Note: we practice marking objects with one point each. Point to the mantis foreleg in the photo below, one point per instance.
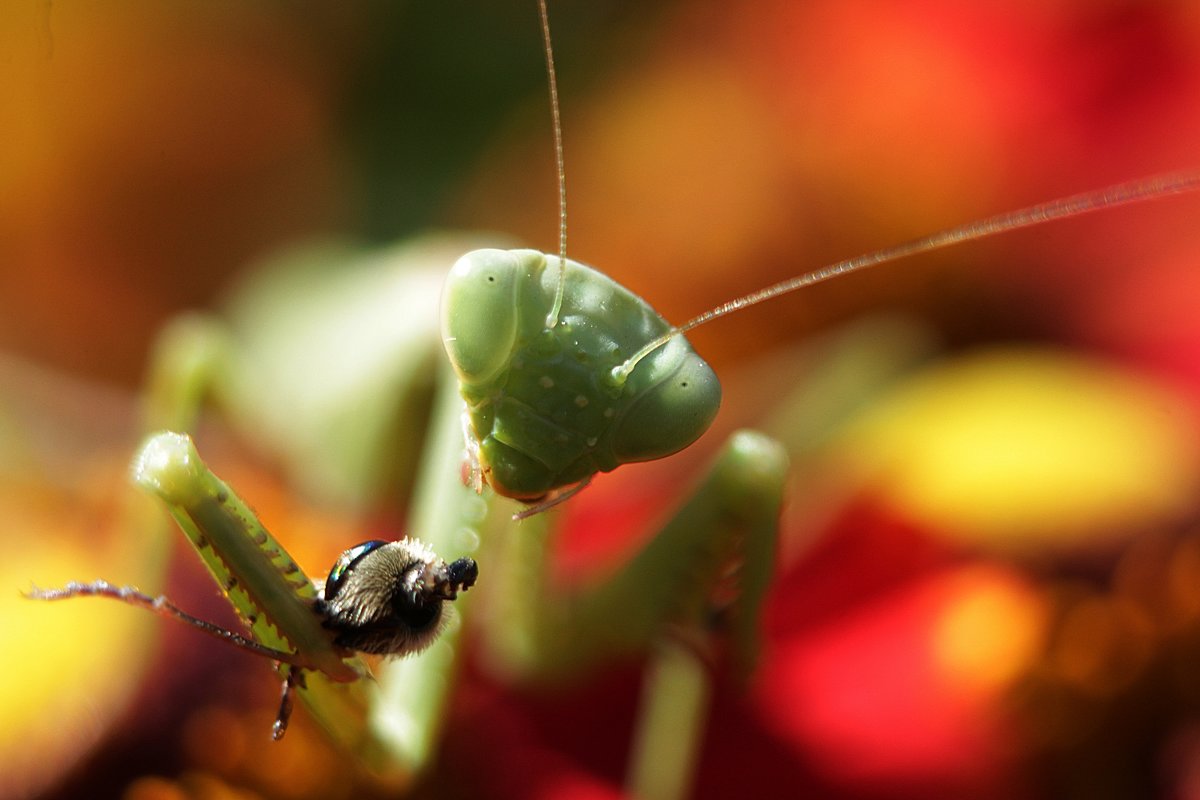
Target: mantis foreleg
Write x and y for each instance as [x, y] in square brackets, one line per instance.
[672, 599]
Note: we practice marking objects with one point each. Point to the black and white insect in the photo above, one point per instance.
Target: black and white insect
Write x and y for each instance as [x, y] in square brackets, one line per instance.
[387, 598]
[383, 598]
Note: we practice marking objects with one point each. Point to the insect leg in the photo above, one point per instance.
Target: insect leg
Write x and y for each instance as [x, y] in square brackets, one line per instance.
[680, 575]
[293, 680]
[717, 596]
[695, 586]
[676, 691]
[163, 607]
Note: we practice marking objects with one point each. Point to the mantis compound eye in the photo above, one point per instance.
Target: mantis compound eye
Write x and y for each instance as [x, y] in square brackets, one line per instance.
[386, 598]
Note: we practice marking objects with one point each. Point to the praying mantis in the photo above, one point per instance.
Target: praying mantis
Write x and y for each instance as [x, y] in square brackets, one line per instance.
[754, 466]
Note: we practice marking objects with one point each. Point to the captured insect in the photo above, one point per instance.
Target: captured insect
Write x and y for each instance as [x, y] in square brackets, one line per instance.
[382, 598]
[566, 373]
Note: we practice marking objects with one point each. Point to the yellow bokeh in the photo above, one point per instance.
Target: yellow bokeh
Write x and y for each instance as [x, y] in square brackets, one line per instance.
[71, 667]
[992, 628]
[1023, 448]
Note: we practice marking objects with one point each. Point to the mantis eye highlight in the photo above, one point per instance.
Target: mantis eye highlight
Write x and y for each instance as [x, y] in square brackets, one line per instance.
[386, 598]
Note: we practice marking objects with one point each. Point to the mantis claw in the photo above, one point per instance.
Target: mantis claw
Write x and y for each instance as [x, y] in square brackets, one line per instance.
[551, 500]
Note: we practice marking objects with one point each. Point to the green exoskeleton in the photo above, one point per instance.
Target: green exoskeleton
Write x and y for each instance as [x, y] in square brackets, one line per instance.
[549, 404]
[566, 373]
[382, 598]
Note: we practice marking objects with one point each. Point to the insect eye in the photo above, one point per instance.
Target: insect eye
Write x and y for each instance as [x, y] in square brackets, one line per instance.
[676, 405]
[346, 562]
[482, 307]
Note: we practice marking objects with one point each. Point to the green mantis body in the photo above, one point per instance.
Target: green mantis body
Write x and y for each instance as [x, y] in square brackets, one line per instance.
[540, 634]
[566, 373]
[244, 559]
[541, 353]
[306, 629]
[568, 411]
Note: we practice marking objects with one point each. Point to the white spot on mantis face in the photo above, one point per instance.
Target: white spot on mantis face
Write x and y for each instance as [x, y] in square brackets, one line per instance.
[581, 401]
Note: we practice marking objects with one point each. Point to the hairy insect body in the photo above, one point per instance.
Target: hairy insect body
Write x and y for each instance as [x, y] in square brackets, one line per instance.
[388, 598]
[265, 586]
[545, 407]
[384, 598]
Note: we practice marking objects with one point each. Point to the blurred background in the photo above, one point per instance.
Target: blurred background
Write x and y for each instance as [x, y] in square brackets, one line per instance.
[989, 578]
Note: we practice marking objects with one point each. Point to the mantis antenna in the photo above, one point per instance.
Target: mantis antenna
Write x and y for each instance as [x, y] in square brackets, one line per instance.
[552, 317]
[1114, 196]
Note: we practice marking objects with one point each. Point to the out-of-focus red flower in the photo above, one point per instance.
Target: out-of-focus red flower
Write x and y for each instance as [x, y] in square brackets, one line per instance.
[731, 148]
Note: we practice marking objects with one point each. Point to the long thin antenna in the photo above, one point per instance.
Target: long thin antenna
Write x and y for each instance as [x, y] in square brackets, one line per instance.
[1114, 196]
[559, 161]
[163, 607]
